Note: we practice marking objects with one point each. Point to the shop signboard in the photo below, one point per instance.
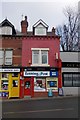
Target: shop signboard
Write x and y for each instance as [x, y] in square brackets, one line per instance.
[54, 73]
[9, 70]
[36, 73]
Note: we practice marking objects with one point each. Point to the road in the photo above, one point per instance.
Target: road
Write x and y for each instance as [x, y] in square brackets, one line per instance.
[41, 108]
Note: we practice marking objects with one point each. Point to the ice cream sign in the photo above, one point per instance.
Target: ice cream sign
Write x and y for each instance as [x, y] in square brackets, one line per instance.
[36, 73]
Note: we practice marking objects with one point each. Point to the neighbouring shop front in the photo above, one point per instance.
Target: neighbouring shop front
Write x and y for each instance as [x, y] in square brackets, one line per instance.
[38, 80]
[9, 82]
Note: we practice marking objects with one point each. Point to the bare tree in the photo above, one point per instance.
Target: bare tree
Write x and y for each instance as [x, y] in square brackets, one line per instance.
[70, 30]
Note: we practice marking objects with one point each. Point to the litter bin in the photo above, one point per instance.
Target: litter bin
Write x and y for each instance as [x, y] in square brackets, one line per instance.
[50, 93]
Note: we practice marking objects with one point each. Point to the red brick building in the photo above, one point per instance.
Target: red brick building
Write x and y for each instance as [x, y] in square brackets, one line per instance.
[30, 59]
[40, 60]
[10, 60]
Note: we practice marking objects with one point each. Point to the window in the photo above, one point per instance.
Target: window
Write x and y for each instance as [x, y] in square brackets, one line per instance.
[67, 79]
[27, 84]
[40, 30]
[40, 57]
[1, 57]
[39, 84]
[76, 80]
[4, 81]
[44, 57]
[5, 30]
[71, 79]
[8, 57]
[15, 83]
[35, 57]
[52, 83]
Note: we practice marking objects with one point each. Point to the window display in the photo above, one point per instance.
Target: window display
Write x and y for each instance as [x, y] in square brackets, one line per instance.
[39, 84]
[4, 81]
[52, 83]
[4, 84]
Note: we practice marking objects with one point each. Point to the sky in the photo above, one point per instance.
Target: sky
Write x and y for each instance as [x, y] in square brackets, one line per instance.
[50, 11]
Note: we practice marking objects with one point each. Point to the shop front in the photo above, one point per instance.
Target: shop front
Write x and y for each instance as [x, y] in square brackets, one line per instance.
[9, 82]
[38, 81]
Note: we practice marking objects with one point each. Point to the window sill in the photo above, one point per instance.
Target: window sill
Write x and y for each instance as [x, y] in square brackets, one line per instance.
[40, 65]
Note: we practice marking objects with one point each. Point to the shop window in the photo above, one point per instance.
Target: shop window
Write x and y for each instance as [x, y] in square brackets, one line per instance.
[39, 84]
[15, 83]
[67, 80]
[4, 81]
[51, 83]
[71, 80]
[76, 80]
[27, 84]
[14, 74]
[4, 85]
[5, 75]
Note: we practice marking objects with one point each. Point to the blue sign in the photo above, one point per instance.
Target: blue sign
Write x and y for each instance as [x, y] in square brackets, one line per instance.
[50, 93]
[54, 73]
[60, 91]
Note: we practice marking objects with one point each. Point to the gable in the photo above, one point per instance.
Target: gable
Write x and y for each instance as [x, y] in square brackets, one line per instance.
[40, 22]
[40, 28]
[6, 28]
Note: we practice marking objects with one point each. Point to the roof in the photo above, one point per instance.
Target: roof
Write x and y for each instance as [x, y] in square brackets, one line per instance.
[6, 22]
[40, 22]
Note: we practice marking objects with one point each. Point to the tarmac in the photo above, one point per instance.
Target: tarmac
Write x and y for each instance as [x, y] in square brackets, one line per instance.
[37, 98]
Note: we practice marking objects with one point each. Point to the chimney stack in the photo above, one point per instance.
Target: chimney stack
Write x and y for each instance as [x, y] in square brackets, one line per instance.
[24, 25]
[53, 31]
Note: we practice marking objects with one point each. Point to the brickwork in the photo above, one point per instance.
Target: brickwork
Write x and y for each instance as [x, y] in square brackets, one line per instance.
[14, 43]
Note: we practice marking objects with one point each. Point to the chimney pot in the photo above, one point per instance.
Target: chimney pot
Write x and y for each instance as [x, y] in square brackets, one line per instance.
[24, 25]
[53, 31]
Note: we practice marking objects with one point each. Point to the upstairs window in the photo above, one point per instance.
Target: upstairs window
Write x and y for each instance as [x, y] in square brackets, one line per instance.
[40, 30]
[1, 57]
[40, 56]
[8, 57]
[5, 30]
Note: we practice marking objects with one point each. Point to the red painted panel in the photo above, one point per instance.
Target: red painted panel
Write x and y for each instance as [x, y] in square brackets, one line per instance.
[40, 42]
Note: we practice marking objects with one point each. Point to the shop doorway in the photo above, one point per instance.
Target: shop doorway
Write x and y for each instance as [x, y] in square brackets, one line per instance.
[27, 87]
[14, 86]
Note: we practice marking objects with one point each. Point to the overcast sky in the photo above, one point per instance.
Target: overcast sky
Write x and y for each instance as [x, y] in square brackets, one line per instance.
[50, 11]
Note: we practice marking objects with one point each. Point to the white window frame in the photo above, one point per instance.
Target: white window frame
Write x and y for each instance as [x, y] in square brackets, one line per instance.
[6, 30]
[10, 58]
[2, 57]
[40, 30]
[40, 56]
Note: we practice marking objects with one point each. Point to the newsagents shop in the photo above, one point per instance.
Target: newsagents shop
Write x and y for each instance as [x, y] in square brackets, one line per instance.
[38, 80]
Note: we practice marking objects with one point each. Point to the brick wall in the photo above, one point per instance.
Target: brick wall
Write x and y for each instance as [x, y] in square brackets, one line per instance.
[14, 43]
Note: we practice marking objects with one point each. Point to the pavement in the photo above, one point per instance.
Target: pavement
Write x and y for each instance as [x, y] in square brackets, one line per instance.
[37, 98]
